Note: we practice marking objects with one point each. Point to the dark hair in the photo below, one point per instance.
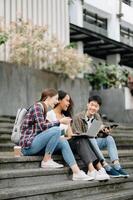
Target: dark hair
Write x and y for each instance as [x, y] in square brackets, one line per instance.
[69, 111]
[95, 98]
[49, 92]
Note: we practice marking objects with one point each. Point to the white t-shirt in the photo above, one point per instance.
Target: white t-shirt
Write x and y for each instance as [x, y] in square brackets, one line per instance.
[51, 116]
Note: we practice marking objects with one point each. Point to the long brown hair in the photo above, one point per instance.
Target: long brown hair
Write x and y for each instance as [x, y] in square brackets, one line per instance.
[49, 92]
[69, 111]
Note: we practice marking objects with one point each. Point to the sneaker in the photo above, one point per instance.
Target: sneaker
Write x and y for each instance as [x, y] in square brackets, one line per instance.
[113, 173]
[50, 164]
[81, 176]
[99, 175]
[102, 175]
[92, 174]
[122, 173]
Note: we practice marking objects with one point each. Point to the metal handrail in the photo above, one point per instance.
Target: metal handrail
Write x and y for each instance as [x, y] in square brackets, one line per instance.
[94, 18]
[128, 2]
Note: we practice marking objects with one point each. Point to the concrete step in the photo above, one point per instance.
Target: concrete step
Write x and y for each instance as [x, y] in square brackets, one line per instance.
[124, 136]
[8, 162]
[9, 119]
[5, 138]
[123, 132]
[125, 195]
[68, 190]
[124, 155]
[124, 146]
[126, 141]
[7, 153]
[5, 131]
[123, 125]
[6, 125]
[23, 177]
[6, 146]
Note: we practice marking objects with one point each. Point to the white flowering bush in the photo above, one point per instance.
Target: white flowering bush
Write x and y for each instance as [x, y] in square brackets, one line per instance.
[31, 45]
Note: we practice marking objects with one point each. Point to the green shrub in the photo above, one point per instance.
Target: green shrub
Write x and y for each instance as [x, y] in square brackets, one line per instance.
[107, 76]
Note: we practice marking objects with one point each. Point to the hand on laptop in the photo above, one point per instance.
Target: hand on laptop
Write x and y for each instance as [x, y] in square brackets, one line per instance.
[106, 129]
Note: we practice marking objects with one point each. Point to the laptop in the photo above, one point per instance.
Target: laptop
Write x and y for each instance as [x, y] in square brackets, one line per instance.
[93, 130]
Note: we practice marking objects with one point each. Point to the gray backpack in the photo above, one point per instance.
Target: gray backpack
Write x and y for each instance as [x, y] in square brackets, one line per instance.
[16, 134]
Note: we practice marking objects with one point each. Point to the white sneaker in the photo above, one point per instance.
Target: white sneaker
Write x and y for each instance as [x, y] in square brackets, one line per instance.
[92, 174]
[99, 175]
[103, 170]
[102, 175]
[81, 176]
[50, 164]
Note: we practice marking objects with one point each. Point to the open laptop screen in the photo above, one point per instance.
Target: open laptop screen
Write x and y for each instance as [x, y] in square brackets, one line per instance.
[94, 128]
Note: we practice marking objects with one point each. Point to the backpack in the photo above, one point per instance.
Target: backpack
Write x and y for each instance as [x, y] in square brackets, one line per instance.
[16, 134]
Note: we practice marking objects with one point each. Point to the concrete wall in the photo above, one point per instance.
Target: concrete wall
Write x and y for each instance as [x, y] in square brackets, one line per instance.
[21, 86]
[114, 104]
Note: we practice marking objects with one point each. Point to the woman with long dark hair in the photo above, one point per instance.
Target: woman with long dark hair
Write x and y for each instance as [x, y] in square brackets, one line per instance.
[79, 145]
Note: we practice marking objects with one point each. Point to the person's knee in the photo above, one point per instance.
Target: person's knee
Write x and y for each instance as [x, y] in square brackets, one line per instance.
[64, 143]
[110, 139]
[56, 130]
[93, 141]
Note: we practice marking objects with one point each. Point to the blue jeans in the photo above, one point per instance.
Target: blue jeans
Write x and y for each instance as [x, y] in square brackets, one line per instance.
[47, 139]
[103, 143]
[66, 151]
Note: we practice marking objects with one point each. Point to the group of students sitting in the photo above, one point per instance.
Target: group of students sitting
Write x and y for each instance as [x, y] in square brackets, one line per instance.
[48, 127]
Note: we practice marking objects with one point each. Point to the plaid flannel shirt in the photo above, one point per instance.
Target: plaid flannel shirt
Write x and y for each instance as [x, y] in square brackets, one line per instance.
[34, 123]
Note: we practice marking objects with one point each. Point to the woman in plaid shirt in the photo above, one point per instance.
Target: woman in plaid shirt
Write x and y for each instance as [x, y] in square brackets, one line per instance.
[37, 133]
[40, 135]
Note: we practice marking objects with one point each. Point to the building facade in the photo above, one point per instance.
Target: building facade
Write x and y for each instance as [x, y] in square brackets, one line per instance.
[50, 13]
[104, 29]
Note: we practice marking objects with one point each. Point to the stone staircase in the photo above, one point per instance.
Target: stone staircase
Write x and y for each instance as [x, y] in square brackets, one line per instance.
[23, 179]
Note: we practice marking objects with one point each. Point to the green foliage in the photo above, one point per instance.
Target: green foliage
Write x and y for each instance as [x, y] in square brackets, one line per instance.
[3, 38]
[72, 45]
[107, 76]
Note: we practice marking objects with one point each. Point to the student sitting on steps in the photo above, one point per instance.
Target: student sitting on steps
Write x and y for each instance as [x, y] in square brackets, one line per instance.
[78, 145]
[82, 122]
[40, 135]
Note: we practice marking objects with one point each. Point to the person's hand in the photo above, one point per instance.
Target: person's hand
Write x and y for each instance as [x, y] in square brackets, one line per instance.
[106, 129]
[65, 120]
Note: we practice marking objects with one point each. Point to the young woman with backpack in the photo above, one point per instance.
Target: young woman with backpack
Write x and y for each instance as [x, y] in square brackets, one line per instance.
[40, 135]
